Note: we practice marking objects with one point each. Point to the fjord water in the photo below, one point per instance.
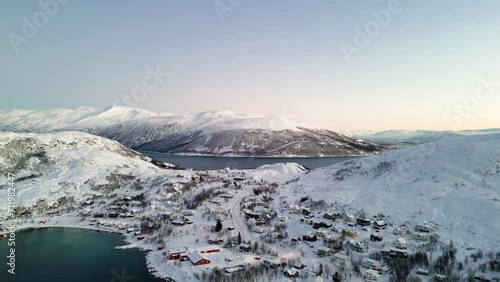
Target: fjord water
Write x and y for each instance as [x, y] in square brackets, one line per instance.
[209, 162]
[76, 255]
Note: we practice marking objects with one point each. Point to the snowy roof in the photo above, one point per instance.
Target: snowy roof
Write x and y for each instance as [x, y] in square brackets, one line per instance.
[370, 260]
[341, 256]
[292, 271]
[177, 250]
[195, 257]
[401, 240]
[207, 248]
[373, 272]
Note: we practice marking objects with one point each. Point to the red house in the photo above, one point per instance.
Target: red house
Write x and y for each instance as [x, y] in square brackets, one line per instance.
[197, 259]
[208, 249]
[177, 253]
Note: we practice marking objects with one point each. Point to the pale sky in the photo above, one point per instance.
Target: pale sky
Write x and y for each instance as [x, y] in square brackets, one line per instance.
[425, 67]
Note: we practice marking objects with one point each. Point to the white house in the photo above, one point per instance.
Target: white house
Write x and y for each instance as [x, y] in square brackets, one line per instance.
[379, 225]
[371, 264]
[321, 233]
[372, 275]
[400, 243]
[341, 258]
[324, 251]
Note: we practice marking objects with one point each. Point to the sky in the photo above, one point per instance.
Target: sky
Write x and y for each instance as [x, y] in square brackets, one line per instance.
[343, 65]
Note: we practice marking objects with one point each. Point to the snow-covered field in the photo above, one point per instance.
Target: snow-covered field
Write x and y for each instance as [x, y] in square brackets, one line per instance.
[450, 186]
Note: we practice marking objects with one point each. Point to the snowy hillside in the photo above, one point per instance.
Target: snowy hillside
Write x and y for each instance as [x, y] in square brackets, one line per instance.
[70, 165]
[449, 184]
[206, 133]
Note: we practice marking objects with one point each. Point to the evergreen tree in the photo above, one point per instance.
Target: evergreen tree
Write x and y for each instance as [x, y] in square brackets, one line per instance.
[218, 226]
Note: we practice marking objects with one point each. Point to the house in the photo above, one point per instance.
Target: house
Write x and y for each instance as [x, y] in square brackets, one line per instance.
[291, 273]
[188, 212]
[421, 271]
[397, 253]
[358, 246]
[363, 221]
[341, 258]
[317, 225]
[440, 277]
[332, 238]
[197, 259]
[306, 211]
[400, 231]
[371, 264]
[283, 218]
[324, 251]
[349, 218]
[178, 222]
[421, 236]
[254, 215]
[208, 249]
[379, 225]
[135, 203]
[245, 248]
[376, 237]
[310, 238]
[177, 253]
[350, 233]
[299, 265]
[259, 229]
[88, 202]
[372, 275]
[307, 221]
[400, 243]
[321, 233]
[423, 228]
[331, 216]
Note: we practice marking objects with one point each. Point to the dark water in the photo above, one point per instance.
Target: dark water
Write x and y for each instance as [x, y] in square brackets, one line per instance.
[73, 255]
[204, 162]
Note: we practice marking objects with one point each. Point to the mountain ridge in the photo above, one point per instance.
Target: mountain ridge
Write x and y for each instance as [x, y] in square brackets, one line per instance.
[221, 133]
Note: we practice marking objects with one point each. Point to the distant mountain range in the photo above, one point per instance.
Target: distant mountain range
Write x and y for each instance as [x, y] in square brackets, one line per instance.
[219, 133]
[402, 137]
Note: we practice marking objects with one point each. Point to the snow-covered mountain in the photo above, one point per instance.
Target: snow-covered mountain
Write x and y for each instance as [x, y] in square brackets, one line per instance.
[210, 133]
[418, 136]
[71, 165]
[447, 184]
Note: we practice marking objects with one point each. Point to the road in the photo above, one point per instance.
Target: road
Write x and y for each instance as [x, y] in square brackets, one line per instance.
[246, 235]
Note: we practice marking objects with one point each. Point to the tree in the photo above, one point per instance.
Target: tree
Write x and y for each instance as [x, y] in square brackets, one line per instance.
[218, 226]
[239, 238]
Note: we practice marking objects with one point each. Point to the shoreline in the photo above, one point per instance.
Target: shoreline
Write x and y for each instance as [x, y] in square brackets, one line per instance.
[23, 228]
[252, 156]
[128, 244]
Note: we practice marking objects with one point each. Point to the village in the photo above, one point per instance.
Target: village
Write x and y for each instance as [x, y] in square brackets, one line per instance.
[252, 225]
[226, 226]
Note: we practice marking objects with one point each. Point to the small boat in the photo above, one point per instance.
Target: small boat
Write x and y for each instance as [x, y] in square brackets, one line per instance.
[141, 237]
